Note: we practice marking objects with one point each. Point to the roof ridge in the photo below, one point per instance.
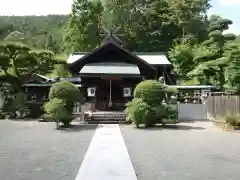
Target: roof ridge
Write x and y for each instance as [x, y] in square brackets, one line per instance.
[149, 53]
[139, 53]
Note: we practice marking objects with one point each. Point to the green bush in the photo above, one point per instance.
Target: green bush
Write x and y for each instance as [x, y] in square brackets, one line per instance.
[63, 115]
[148, 107]
[161, 112]
[151, 91]
[65, 90]
[233, 120]
[62, 97]
[141, 113]
[130, 107]
[172, 112]
[53, 105]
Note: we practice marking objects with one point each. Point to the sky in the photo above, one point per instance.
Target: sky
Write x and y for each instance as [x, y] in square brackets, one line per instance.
[225, 8]
[228, 9]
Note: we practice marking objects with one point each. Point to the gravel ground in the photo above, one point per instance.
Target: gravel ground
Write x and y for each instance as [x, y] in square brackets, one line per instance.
[36, 151]
[190, 151]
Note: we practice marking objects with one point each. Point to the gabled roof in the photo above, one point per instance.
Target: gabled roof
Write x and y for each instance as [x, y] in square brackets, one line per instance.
[110, 68]
[119, 52]
[155, 58]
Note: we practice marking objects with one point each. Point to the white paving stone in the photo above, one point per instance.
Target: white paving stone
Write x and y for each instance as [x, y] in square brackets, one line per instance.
[107, 157]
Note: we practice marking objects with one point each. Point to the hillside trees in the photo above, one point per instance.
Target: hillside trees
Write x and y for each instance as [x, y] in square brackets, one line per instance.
[214, 61]
[154, 25]
[18, 63]
[82, 33]
[34, 30]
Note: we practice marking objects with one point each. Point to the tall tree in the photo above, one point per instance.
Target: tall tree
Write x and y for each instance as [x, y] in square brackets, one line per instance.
[82, 33]
[213, 64]
[18, 63]
[154, 25]
[182, 58]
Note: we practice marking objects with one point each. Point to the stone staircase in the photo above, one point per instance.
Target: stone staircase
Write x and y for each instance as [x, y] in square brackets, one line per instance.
[105, 117]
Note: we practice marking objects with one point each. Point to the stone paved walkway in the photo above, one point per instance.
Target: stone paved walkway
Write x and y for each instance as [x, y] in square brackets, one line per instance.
[107, 157]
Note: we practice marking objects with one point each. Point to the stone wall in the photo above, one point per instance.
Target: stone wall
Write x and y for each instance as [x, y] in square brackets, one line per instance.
[192, 112]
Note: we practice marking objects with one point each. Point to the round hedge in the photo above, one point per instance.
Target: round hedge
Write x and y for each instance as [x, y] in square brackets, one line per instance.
[65, 90]
[143, 113]
[62, 97]
[151, 91]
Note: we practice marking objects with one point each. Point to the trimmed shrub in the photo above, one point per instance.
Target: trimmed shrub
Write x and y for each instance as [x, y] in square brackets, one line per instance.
[172, 112]
[52, 106]
[57, 107]
[152, 104]
[130, 108]
[65, 90]
[161, 112]
[233, 120]
[151, 91]
[141, 113]
[62, 97]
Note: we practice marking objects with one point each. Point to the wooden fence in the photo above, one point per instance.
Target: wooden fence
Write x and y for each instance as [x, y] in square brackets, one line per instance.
[222, 106]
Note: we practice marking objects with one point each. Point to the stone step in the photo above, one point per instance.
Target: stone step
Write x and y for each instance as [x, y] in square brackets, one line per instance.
[105, 122]
[106, 117]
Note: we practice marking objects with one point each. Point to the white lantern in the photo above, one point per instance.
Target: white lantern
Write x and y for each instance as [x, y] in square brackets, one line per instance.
[127, 92]
[91, 91]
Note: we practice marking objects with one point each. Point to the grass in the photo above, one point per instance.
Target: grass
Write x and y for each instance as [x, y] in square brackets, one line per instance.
[229, 123]
[224, 126]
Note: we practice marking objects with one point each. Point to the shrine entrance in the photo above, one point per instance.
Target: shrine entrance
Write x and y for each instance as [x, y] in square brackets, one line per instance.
[109, 94]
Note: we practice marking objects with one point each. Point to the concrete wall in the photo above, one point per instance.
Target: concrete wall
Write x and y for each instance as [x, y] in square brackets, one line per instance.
[191, 112]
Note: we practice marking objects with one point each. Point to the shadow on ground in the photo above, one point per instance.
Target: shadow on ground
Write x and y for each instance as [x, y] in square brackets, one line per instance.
[183, 127]
[172, 127]
[76, 128]
[24, 120]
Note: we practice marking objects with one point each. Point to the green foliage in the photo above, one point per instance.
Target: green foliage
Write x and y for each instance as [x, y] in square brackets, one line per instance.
[172, 111]
[209, 62]
[19, 59]
[170, 90]
[160, 112]
[182, 58]
[150, 91]
[53, 105]
[237, 39]
[232, 71]
[130, 108]
[62, 97]
[15, 36]
[60, 70]
[233, 120]
[146, 25]
[143, 113]
[65, 90]
[57, 107]
[147, 107]
[40, 32]
[82, 32]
